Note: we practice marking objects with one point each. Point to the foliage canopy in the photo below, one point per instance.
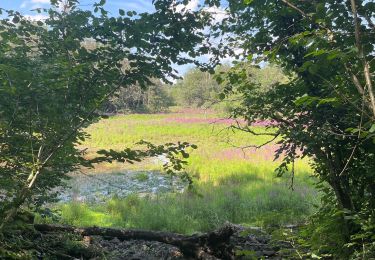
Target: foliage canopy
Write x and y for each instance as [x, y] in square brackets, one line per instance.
[326, 111]
[52, 84]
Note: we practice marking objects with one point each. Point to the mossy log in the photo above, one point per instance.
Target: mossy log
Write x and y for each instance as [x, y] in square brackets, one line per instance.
[211, 245]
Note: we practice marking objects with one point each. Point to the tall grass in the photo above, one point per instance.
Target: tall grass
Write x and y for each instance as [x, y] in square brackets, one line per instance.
[229, 185]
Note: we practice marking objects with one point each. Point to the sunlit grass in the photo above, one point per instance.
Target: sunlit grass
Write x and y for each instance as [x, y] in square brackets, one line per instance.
[124, 131]
[230, 184]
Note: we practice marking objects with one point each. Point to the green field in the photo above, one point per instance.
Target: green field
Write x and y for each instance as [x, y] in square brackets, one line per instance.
[230, 184]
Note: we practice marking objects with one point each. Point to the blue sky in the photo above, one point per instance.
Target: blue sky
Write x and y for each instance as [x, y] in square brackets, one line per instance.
[24, 6]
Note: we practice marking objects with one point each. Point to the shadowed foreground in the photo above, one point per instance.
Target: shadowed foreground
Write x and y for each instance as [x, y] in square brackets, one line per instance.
[229, 242]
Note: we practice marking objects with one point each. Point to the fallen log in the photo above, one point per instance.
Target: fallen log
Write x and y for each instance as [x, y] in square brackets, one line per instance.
[215, 244]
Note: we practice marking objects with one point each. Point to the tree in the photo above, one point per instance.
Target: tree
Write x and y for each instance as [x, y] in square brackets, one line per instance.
[152, 99]
[52, 84]
[198, 88]
[157, 97]
[326, 110]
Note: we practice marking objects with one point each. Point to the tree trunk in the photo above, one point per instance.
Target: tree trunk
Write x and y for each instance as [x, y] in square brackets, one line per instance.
[342, 195]
[210, 245]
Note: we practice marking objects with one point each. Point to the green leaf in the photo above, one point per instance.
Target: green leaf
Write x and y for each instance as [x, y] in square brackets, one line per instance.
[306, 65]
[248, 2]
[313, 69]
[372, 128]
[334, 54]
[184, 154]
[332, 101]
[305, 100]
[16, 19]
[121, 12]
[316, 53]
[103, 12]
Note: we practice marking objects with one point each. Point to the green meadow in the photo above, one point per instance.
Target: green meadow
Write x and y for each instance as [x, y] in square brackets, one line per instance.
[230, 183]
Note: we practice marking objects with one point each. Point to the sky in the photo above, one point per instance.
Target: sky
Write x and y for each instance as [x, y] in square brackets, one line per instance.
[25, 7]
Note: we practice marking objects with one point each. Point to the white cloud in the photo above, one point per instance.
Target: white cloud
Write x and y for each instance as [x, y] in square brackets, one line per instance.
[34, 3]
[23, 5]
[139, 6]
[40, 1]
[36, 17]
[191, 6]
[217, 13]
[230, 59]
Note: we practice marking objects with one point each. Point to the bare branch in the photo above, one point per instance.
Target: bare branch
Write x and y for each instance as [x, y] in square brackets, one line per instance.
[248, 130]
[369, 85]
[259, 146]
[366, 66]
[360, 110]
[356, 145]
[359, 46]
[355, 80]
[296, 8]
[329, 31]
[356, 27]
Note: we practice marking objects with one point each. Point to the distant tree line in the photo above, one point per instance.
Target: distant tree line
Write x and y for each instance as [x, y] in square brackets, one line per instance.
[135, 99]
[201, 89]
[196, 89]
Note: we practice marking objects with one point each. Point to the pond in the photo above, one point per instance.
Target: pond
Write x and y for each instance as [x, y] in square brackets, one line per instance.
[97, 188]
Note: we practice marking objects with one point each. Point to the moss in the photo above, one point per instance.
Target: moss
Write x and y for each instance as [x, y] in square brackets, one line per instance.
[141, 177]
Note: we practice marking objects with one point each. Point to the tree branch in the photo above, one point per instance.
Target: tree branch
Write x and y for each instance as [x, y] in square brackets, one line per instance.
[261, 145]
[248, 130]
[296, 8]
[329, 31]
[366, 66]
